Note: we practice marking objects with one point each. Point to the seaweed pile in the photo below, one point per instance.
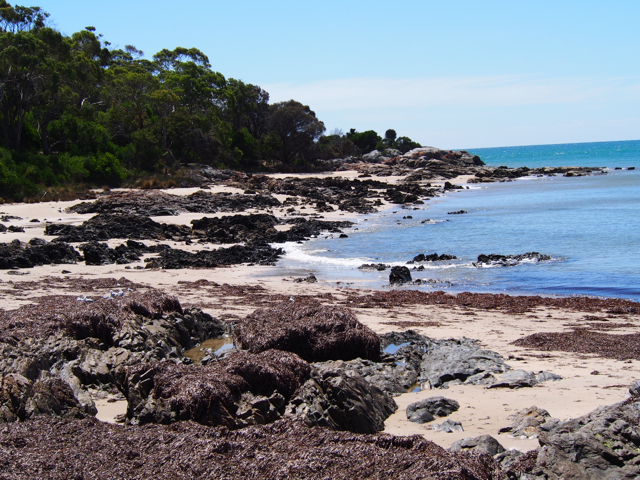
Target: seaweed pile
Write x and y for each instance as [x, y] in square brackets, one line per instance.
[314, 331]
[285, 449]
[616, 346]
[490, 301]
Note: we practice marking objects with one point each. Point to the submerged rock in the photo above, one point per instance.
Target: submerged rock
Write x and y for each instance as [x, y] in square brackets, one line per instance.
[495, 260]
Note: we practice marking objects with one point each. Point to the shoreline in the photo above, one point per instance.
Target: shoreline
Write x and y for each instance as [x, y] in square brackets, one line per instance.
[230, 293]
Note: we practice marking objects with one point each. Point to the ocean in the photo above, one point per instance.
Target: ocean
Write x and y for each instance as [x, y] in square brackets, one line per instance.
[589, 226]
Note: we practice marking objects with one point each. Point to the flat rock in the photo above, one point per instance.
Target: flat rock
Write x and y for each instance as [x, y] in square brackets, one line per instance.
[428, 409]
[481, 444]
[515, 379]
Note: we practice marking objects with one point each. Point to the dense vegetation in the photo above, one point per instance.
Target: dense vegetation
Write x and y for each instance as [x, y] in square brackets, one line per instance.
[74, 111]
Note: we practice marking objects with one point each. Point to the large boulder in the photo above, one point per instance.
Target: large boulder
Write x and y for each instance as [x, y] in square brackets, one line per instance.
[458, 360]
[341, 399]
[309, 329]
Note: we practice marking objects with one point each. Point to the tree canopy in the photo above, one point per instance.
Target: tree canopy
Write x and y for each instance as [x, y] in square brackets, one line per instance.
[73, 109]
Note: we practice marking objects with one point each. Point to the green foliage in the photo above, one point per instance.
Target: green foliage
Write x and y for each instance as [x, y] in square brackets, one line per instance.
[365, 141]
[73, 110]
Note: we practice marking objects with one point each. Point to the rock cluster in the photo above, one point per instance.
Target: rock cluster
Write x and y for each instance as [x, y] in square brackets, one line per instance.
[494, 260]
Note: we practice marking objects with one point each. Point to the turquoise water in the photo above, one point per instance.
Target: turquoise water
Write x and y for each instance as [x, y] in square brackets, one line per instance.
[590, 226]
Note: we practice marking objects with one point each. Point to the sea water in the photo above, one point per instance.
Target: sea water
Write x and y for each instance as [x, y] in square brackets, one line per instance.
[590, 226]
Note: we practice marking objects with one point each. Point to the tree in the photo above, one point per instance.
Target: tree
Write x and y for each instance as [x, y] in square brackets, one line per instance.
[297, 128]
[365, 141]
[390, 135]
[404, 144]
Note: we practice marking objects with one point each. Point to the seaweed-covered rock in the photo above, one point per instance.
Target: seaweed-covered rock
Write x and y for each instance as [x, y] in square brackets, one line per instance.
[242, 389]
[314, 331]
[284, 449]
[154, 203]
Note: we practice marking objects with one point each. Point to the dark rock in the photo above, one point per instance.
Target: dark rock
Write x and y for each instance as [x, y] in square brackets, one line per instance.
[374, 266]
[151, 203]
[341, 399]
[515, 379]
[315, 332]
[20, 255]
[433, 257]
[399, 275]
[15, 229]
[428, 409]
[482, 444]
[450, 360]
[510, 260]
[459, 212]
[105, 226]
[254, 228]
[3, 228]
[176, 259]
[311, 278]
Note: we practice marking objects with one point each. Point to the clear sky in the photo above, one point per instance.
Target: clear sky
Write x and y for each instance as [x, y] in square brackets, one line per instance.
[447, 73]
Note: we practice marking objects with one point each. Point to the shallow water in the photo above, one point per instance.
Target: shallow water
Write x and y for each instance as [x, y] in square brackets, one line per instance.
[589, 225]
[215, 346]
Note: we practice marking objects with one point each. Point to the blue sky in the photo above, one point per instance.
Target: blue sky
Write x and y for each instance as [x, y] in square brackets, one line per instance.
[451, 74]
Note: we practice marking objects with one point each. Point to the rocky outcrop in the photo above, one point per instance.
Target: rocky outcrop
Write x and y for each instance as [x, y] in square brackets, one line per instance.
[155, 203]
[433, 257]
[428, 409]
[109, 225]
[309, 329]
[83, 341]
[253, 254]
[284, 449]
[22, 399]
[37, 252]
[601, 444]
[340, 398]
[494, 260]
